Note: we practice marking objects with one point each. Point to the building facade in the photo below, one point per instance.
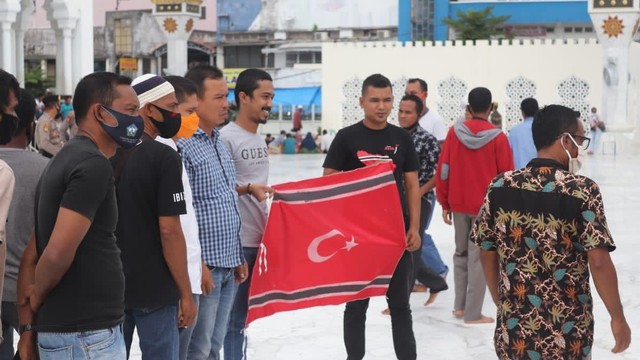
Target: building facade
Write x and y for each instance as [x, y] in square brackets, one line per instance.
[423, 19]
[125, 39]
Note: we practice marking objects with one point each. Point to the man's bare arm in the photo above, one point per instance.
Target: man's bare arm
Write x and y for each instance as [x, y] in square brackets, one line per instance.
[69, 230]
[606, 281]
[428, 186]
[490, 267]
[174, 249]
[413, 205]
[26, 280]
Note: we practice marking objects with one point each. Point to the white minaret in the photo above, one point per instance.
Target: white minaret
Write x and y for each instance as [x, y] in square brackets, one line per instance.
[615, 22]
[176, 19]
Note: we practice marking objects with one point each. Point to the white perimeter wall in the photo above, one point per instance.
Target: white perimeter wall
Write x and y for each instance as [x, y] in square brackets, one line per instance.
[487, 64]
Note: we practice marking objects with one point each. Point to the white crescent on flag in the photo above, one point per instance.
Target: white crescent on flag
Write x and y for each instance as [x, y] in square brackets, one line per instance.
[312, 250]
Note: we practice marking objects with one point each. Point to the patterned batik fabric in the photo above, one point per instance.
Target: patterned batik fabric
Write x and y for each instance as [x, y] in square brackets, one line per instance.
[428, 153]
[542, 221]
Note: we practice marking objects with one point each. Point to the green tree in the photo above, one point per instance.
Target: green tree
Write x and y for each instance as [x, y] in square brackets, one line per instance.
[477, 25]
[35, 83]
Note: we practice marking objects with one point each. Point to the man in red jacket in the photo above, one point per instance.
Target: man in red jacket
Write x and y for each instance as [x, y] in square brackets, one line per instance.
[474, 152]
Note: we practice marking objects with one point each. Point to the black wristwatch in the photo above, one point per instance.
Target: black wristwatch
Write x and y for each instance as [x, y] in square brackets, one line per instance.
[24, 328]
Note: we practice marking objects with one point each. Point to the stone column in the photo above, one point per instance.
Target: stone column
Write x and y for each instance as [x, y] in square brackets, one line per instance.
[67, 63]
[6, 59]
[140, 67]
[159, 65]
[63, 16]
[82, 43]
[23, 23]
[220, 57]
[176, 19]
[8, 12]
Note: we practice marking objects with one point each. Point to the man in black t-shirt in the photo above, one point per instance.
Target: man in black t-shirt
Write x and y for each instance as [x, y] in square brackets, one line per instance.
[371, 141]
[71, 284]
[150, 202]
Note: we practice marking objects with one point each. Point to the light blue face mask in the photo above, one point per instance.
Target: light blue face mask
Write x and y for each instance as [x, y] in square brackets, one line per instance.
[127, 132]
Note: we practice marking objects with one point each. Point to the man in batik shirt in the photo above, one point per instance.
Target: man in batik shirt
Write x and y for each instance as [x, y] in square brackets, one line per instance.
[428, 152]
[541, 229]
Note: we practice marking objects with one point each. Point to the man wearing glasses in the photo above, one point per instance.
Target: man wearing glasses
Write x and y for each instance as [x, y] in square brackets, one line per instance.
[541, 229]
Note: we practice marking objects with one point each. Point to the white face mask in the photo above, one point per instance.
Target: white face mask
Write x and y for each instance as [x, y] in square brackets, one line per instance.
[574, 163]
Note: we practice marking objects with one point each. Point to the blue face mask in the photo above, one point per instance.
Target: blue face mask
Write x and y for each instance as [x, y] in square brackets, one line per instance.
[129, 130]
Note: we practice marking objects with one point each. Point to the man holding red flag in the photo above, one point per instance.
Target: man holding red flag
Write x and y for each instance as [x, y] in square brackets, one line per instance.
[371, 141]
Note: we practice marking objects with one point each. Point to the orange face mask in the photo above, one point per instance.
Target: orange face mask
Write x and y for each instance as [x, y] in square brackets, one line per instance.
[188, 126]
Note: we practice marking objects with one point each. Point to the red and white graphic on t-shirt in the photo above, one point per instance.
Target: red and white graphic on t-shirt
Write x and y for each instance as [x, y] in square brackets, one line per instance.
[369, 159]
[327, 241]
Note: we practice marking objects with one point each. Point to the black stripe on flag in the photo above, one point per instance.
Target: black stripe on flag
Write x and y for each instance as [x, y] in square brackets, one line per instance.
[314, 292]
[311, 195]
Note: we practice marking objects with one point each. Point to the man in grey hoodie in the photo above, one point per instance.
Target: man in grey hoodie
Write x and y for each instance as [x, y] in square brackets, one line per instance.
[474, 152]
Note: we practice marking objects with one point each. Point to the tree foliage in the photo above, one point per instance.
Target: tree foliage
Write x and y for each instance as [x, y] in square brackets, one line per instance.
[35, 83]
[477, 25]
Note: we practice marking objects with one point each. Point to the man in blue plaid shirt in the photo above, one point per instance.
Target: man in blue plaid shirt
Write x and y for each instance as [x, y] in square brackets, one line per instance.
[212, 177]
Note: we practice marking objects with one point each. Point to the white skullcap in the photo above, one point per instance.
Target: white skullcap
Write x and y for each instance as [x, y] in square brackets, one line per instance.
[150, 88]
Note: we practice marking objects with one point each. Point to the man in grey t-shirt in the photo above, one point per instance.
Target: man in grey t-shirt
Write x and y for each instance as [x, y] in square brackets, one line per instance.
[27, 167]
[254, 94]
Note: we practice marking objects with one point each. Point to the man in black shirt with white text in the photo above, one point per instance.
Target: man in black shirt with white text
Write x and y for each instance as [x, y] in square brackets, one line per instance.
[150, 196]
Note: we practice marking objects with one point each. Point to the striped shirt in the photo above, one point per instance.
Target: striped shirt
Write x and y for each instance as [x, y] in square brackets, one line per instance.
[212, 178]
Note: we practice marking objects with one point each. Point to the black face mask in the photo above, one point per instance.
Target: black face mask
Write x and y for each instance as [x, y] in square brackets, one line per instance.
[171, 124]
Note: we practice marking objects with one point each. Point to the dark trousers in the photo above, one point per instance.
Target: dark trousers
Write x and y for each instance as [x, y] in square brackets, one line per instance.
[424, 274]
[9, 322]
[355, 315]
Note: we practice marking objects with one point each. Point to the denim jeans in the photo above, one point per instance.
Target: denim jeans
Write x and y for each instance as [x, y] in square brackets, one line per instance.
[9, 323]
[355, 315]
[185, 333]
[421, 272]
[105, 344]
[213, 317]
[157, 330]
[430, 254]
[235, 345]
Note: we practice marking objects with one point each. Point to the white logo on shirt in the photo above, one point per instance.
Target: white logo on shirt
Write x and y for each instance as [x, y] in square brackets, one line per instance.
[178, 197]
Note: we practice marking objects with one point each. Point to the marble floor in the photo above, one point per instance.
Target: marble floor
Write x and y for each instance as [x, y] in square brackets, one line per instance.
[316, 334]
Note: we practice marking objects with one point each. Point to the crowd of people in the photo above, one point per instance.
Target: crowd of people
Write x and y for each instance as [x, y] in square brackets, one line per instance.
[295, 143]
[148, 219]
[143, 212]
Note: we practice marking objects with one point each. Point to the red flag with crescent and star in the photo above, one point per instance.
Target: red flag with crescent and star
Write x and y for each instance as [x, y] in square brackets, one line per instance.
[327, 241]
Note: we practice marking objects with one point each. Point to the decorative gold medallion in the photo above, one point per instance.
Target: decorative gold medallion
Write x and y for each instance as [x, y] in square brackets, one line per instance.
[170, 25]
[189, 25]
[613, 26]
